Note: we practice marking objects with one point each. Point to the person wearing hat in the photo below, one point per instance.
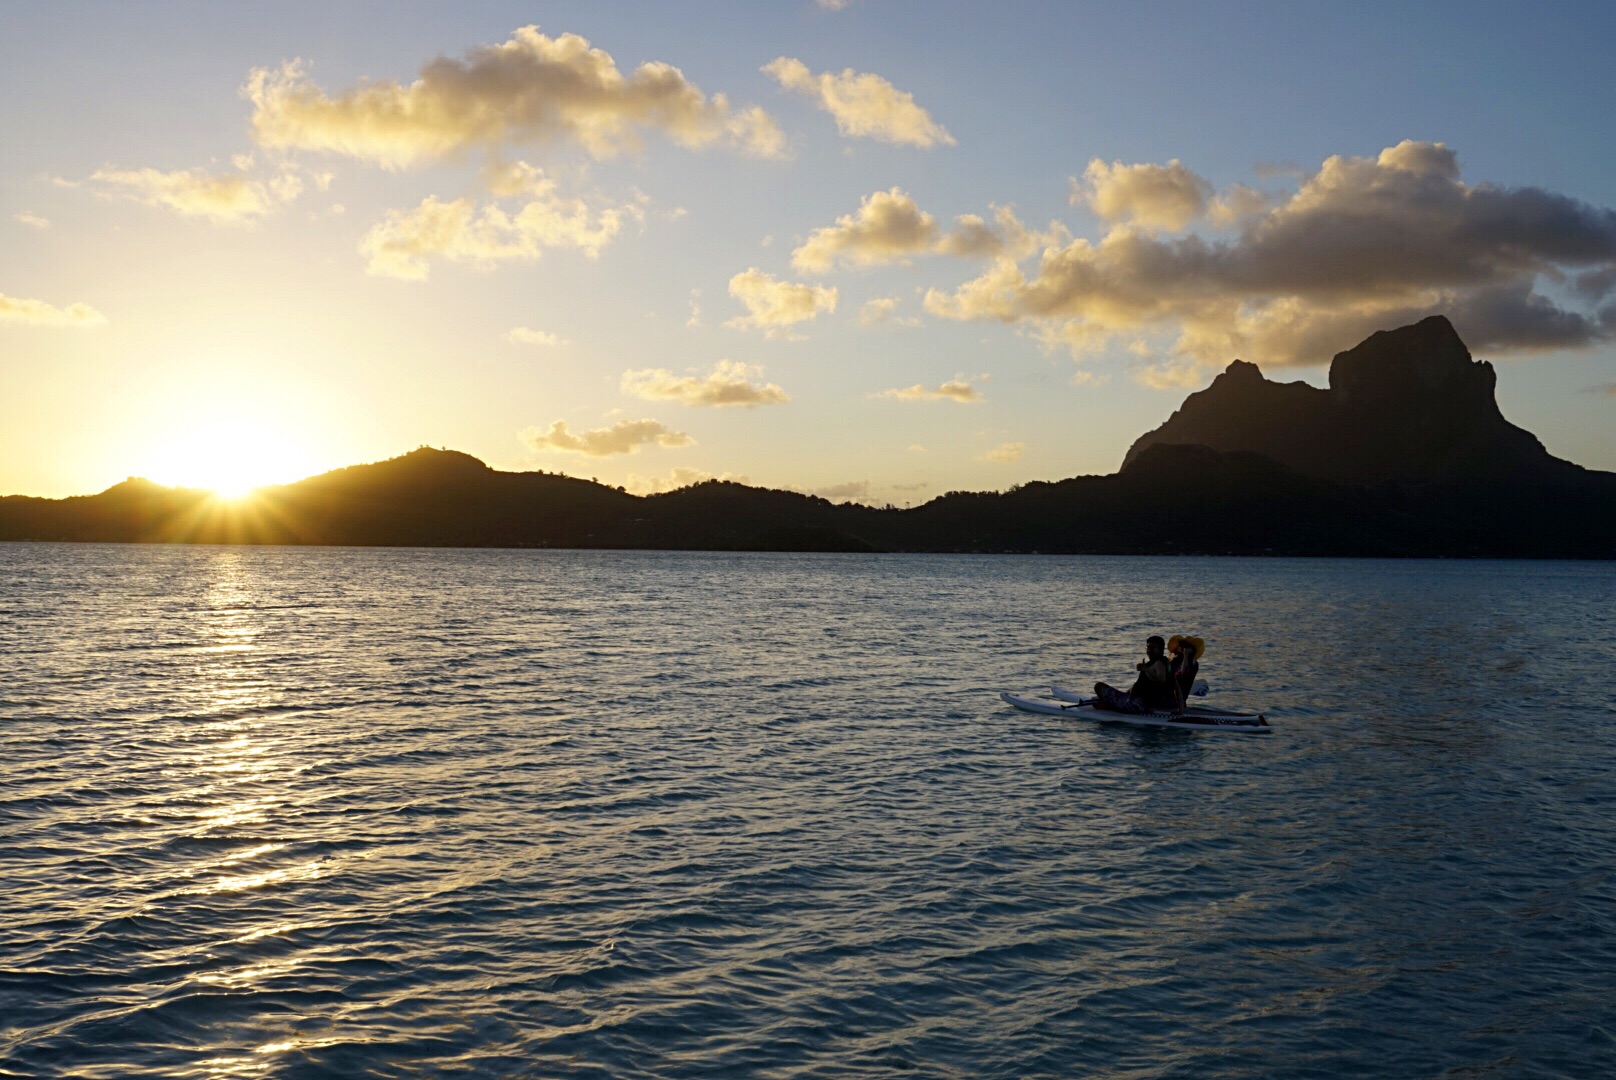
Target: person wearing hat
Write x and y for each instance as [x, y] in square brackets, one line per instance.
[1154, 689]
[1187, 652]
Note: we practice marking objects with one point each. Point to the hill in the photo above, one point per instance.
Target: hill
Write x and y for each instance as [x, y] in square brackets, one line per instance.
[1405, 454]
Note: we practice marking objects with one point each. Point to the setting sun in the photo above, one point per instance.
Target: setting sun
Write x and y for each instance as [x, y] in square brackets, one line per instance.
[230, 457]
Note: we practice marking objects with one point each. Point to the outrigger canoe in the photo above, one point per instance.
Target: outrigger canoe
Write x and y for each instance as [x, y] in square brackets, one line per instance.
[1193, 718]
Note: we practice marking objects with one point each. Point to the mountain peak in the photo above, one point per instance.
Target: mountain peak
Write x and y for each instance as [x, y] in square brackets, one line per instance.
[1408, 404]
[1242, 371]
[1425, 358]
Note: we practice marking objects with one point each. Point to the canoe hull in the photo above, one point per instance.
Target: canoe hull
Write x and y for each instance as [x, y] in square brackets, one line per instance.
[1188, 721]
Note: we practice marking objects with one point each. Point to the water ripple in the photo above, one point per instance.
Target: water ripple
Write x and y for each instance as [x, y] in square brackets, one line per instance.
[593, 814]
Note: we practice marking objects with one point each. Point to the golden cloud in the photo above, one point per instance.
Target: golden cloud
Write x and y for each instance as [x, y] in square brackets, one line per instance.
[863, 105]
[884, 309]
[530, 89]
[28, 218]
[623, 437]
[957, 389]
[39, 313]
[1362, 244]
[227, 198]
[1006, 453]
[729, 383]
[851, 491]
[1151, 196]
[400, 245]
[774, 305]
[678, 477]
[890, 227]
[523, 335]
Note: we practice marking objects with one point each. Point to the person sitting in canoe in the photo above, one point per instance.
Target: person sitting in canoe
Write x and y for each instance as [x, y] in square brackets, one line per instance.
[1186, 653]
[1154, 690]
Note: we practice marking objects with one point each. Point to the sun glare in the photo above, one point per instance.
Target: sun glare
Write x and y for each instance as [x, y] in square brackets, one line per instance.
[230, 458]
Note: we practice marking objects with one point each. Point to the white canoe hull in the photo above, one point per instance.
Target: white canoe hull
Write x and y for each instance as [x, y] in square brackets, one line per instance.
[1189, 720]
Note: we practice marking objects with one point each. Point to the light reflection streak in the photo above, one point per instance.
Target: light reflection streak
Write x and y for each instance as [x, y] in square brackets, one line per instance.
[268, 931]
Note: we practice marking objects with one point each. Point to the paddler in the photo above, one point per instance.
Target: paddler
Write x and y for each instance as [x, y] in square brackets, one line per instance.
[1153, 691]
[1186, 652]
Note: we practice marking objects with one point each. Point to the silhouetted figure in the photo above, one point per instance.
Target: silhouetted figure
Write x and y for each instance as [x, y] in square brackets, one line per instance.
[1186, 653]
[1153, 690]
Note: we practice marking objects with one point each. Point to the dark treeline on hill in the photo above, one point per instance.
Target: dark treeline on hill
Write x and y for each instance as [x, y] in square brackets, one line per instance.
[1406, 454]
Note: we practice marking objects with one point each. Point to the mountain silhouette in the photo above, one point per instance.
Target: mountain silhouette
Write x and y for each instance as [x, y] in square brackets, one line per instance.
[1404, 405]
[1405, 454]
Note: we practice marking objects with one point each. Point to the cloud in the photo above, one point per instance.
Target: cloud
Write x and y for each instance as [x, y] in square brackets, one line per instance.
[774, 305]
[1603, 390]
[1005, 453]
[852, 490]
[1362, 244]
[1151, 196]
[1596, 284]
[729, 383]
[884, 309]
[531, 89]
[694, 322]
[39, 313]
[522, 335]
[888, 226]
[863, 105]
[678, 477]
[957, 389]
[1236, 205]
[35, 220]
[224, 198]
[834, 5]
[972, 237]
[623, 437]
[400, 245]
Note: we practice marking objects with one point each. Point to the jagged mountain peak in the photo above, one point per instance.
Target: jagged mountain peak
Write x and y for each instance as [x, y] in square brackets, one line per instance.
[1408, 404]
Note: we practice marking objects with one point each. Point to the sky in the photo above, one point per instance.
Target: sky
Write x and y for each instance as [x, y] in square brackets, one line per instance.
[867, 249]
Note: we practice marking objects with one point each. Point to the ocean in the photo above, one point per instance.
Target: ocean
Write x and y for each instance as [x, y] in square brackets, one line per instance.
[395, 812]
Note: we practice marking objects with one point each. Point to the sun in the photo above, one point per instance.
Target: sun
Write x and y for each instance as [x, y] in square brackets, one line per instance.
[230, 457]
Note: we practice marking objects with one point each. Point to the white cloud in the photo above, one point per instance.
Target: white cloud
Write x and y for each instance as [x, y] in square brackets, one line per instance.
[38, 313]
[694, 322]
[523, 335]
[1362, 244]
[775, 305]
[958, 389]
[729, 383]
[35, 220]
[1005, 453]
[401, 244]
[623, 437]
[528, 90]
[863, 105]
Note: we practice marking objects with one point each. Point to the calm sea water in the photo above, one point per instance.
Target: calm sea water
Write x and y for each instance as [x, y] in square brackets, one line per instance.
[277, 812]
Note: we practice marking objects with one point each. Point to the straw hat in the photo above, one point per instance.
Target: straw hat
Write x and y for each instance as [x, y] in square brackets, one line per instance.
[1195, 644]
